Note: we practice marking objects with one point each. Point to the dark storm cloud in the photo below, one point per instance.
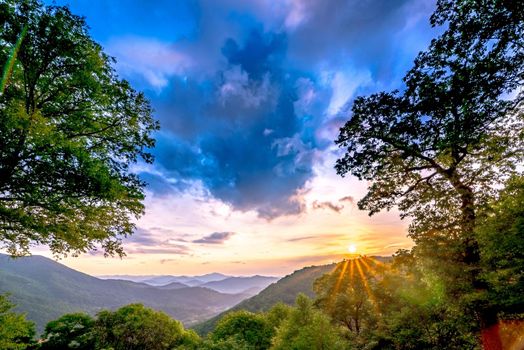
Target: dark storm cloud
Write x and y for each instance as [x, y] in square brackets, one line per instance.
[364, 33]
[239, 133]
[215, 238]
[242, 88]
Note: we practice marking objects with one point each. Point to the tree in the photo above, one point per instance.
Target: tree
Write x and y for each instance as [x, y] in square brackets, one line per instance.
[307, 329]
[16, 333]
[244, 327]
[69, 131]
[345, 295]
[135, 327]
[70, 331]
[441, 148]
[278, 313]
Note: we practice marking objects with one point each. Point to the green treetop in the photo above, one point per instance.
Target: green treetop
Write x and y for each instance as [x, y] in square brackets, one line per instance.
[69, 131]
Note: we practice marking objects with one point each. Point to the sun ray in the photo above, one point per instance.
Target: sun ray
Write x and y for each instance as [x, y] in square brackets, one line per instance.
[366, 265]
[351, 270]
[340, 277]
[374, 261]
[366, 285]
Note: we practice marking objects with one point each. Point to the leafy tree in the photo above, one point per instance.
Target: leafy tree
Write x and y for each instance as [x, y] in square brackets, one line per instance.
[345, 295]
[70, 331]
[276, 315]
[307, 329]
[441, 148]
[231, 343]
[69, 131]
[246, 328]
[135, 327]
[16, 333]
[189, 341]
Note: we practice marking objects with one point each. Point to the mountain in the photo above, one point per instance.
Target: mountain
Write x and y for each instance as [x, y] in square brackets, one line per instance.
[284, 290]
[249, 285]
[45, 290]
[174, 285]
[161, 280]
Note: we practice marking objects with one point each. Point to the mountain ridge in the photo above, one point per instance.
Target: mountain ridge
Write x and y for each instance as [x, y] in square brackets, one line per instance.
[45, 289]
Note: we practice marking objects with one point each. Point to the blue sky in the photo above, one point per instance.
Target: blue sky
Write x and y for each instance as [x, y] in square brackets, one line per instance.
[250, 96]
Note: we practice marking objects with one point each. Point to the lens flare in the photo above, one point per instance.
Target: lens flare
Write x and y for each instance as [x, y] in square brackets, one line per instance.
[8, 68]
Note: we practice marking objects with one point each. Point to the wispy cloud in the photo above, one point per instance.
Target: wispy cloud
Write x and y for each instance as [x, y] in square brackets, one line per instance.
[215, 238]
[348, 199]
[156, 241]
[328, 205]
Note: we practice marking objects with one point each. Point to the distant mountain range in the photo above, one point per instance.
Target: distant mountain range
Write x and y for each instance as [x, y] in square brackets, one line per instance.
[45, 290]
[219, 282]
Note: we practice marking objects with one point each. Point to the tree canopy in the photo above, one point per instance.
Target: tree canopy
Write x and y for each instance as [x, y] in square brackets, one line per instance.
[244, 327]
[437, 148]
[442, 148]
[16, 333]
[70, 331]
[137, 327]
[70, 129]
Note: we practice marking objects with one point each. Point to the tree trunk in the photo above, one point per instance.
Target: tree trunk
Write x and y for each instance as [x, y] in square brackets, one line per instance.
[489, 323]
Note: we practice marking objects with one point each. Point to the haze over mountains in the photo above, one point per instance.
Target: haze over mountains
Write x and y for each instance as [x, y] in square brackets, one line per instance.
[216, 281]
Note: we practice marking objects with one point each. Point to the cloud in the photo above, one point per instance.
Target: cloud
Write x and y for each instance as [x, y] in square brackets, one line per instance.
[323, 238]
[238, 132]
[327, 205]
[332, 32]
[251, 94]
[215, 238]
[156, 241]
[297, 239]
[348, 199]
[149, 59]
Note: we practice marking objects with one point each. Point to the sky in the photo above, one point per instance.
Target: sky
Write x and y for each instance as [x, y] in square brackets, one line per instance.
[250, 96]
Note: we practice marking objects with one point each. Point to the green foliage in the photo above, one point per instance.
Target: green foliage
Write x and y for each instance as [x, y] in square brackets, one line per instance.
[135, 327]
[397, 305]
[245, 327]
[501, 236]
[277, 314]
[232, 343]
[69, 131]
[16, 333]
[130, 327]
[306, 329]
[71, 331]
[416, 311]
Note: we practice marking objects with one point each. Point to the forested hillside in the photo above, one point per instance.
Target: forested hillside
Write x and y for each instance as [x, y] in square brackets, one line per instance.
[285, 291]
[45, 290]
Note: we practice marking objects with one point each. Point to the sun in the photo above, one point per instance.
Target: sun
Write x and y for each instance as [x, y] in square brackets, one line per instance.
[352, 248]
